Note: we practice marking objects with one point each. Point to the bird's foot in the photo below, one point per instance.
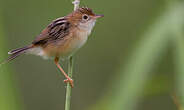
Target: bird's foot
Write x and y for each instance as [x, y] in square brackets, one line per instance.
[69, 80]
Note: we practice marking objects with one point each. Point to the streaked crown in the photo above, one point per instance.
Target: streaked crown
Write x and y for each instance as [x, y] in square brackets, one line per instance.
[79, 13]
[85, 10]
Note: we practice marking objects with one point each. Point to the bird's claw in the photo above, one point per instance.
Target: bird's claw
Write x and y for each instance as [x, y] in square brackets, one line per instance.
[69, 80]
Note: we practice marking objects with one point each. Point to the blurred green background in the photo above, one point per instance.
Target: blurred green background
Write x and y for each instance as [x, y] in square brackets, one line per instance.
[134, 58]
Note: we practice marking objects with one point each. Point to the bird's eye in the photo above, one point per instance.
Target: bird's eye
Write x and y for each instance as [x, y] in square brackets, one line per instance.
[85, 17]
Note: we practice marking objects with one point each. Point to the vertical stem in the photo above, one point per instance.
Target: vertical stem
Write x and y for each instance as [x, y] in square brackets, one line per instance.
[76, 4]
[70, 69]
[9, 96]
[68, 88]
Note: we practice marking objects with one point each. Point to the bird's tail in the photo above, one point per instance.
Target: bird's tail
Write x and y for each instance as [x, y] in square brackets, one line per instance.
[15, 53]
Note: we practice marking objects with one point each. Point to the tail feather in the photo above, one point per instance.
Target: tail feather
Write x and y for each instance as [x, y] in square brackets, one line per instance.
[18, 50]
[15, 53]
[13, 56]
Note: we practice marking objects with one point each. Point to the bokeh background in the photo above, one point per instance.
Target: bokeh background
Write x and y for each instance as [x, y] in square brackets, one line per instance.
[133, 60]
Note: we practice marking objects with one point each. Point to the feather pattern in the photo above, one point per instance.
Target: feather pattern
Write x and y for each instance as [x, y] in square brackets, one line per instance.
[58, 29]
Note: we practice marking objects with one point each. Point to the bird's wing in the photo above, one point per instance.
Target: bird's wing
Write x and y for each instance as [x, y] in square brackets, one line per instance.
[58, 29]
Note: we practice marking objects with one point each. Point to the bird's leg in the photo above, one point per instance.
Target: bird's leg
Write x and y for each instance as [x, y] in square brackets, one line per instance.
[68, 79]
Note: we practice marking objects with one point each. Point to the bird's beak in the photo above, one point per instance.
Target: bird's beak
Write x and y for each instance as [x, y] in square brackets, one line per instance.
[98, 16]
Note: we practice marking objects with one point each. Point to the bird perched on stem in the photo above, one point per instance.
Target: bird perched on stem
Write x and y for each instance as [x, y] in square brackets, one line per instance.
[61, 38]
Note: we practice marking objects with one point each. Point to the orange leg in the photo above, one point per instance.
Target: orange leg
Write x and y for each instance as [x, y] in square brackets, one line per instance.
[68, 79]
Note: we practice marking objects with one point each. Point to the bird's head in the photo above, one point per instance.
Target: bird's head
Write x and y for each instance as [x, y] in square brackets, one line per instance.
[84, 18]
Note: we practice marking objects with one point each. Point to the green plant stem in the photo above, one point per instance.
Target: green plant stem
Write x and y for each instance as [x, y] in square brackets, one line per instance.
[69, 88]
[9, 96]
[70, 69]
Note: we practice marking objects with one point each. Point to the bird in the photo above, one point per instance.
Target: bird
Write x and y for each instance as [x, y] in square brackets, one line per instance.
[61, 38]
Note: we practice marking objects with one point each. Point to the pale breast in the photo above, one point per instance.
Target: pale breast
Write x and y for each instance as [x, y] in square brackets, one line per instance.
[76, 42]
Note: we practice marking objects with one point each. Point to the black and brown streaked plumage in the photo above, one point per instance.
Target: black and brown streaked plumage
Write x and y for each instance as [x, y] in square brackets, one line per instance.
[62, 37]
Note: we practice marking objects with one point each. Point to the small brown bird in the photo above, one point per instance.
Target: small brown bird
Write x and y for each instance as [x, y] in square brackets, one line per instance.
[62, 37]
